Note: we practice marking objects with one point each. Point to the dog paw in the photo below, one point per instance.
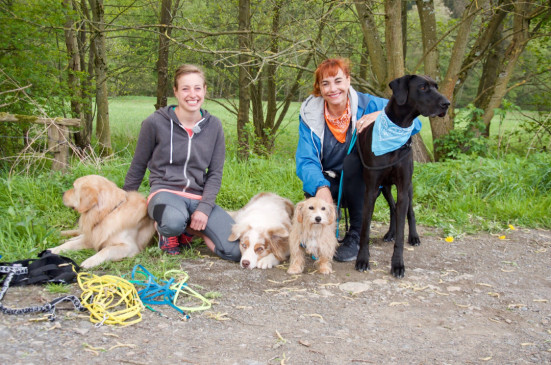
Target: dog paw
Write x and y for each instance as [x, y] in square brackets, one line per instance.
[414, 240]
[55, 250]
[325, 270]
[398, 271]
[362, 265]
[90, 262]
[388, 237]
[267, 262]
[294, 270]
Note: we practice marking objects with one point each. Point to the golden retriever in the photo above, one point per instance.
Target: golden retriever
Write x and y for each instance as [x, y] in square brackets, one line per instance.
[112, 221]
[313, 231]
[262, 227]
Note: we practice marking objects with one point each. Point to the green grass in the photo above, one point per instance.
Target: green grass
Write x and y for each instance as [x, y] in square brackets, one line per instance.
[460, 197]
[58, 288]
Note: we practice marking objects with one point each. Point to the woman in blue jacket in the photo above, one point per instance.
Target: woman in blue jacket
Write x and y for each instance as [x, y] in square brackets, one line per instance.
[328, 118]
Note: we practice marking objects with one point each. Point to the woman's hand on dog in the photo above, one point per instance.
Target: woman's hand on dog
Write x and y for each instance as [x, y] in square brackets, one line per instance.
[325, 194]
[366, 120]
[198, 221]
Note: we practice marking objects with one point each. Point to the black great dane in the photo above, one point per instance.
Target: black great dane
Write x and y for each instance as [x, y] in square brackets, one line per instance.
[412, 95]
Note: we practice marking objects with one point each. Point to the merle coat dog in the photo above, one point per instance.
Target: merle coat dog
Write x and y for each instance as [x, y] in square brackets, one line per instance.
[412, 96]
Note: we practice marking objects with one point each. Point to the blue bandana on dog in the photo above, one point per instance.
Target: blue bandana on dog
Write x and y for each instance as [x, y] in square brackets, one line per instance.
[387, 136]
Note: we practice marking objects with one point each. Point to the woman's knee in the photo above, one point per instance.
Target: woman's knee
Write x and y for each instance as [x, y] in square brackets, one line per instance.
[172, 222]
[218, 230]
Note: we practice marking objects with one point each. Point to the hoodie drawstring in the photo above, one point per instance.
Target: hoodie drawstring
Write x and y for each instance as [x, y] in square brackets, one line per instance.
[171, 134]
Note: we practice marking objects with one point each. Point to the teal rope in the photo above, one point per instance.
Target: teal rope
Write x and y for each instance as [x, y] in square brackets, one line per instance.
[352, 143]
[153, 292]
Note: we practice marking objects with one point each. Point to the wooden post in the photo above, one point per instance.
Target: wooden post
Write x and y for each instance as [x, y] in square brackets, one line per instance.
[58, 139]
[58, 135]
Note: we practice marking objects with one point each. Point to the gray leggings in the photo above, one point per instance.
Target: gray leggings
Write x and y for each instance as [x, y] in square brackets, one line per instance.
[172, 214]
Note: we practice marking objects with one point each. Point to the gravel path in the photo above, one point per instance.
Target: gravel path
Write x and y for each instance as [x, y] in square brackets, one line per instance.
[478, 300]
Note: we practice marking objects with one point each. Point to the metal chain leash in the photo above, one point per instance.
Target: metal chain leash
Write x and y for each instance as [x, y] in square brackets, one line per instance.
[49, 308]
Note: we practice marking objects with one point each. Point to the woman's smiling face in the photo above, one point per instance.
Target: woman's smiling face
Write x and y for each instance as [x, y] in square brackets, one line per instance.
[190, 92]
[334, 89]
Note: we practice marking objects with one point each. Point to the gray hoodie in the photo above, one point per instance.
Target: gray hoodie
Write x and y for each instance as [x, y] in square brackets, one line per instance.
[177, 161]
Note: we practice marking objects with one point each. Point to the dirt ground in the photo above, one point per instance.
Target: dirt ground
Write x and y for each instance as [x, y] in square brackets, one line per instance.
[478, 300]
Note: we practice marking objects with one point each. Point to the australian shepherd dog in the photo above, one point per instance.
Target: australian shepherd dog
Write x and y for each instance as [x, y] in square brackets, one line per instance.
[262, 228]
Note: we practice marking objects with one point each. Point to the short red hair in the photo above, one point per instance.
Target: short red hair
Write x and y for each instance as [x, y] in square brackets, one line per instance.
[330, 67]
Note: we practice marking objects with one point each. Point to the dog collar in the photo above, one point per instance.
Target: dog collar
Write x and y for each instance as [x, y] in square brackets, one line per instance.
[112, 210]
[304, 247]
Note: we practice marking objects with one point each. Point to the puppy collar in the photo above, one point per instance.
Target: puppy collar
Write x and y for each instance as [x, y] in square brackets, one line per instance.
[304, 247]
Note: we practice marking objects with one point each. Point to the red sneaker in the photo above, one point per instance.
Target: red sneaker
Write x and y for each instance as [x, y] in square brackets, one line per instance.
[170, 245]
[185, 240]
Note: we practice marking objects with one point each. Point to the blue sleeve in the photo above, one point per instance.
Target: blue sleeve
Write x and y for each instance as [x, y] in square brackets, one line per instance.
[417, 125]
[369, 104]
[307, 157]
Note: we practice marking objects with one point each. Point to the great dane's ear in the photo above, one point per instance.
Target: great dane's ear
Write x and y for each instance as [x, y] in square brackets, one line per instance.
[400, 88]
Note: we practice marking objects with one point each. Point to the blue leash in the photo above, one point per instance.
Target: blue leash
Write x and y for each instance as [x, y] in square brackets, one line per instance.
[153, 292]
[352, 143]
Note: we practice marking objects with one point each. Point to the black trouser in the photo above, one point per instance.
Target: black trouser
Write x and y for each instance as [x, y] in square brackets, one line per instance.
[353, 189]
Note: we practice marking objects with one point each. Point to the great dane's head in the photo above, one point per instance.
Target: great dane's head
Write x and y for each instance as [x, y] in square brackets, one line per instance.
[419, 93]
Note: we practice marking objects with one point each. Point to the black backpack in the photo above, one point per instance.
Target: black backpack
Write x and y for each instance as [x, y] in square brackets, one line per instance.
[48, 268]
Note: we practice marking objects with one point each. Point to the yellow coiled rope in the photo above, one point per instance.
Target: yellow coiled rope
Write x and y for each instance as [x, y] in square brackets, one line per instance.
[110, 299]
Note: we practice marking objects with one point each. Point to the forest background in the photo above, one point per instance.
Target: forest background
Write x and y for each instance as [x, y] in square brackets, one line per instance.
[484, 166]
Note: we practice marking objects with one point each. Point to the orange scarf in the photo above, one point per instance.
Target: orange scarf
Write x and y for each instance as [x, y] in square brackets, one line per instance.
[338, 126]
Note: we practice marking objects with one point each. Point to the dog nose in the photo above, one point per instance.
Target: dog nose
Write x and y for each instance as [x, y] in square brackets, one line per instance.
[245, 263]
[445, 104]
[318, 219]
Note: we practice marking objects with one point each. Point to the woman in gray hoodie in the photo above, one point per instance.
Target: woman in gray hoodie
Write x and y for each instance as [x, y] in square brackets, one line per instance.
[183, 147]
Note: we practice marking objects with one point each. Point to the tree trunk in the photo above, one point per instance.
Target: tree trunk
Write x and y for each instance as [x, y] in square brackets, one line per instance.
[404, 11]
[244, 78]
[264, 127]
[393, 38]
[427, 16]
[482, 43]
[73, 68]
[84, 135]
[165, 30]
[521, 35]
[103, 132]
[442, 126]
[490, 74]
[373, 43]
[256, 91]
[395, 63]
